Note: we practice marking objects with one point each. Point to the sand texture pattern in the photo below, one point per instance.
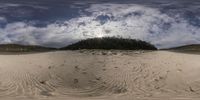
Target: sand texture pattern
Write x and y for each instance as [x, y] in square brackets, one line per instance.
[100, 75]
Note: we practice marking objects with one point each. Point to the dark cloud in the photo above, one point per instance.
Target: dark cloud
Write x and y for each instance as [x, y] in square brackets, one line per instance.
[54, 10]
[59, 22]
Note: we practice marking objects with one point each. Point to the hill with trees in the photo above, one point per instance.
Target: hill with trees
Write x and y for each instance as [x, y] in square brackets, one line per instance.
[193, 48]
[23, 48]
[108, 43]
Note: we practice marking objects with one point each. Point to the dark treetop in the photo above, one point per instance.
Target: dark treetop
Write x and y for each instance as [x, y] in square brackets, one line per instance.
[108, 43]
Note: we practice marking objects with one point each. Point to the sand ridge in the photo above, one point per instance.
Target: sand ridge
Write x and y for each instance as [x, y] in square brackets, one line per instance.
[104, 75]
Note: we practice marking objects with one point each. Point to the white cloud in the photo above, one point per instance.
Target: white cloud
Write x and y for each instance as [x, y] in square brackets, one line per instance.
[7, 5]
[4, 5]
[126, 20]
[3, 19]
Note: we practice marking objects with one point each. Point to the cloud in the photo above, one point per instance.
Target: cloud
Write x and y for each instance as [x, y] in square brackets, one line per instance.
[3, 19]
[15, 5]
[17, 12]
[125, 20]
[6, 5]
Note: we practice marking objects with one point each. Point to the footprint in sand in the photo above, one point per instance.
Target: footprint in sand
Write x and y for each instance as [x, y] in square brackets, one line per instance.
[98, 78]
[45, 93]
[179, 70]
[43, 82]
[76, 81]
[77, 68]
[84, 73]
[50, 67]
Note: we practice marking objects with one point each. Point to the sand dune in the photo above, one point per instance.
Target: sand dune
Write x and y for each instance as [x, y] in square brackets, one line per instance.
[100, 75]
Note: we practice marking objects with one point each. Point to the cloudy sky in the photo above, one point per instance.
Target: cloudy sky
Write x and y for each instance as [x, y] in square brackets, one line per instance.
[57, 23]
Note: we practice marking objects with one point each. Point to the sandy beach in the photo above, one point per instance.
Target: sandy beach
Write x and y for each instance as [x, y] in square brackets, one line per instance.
[100, 75]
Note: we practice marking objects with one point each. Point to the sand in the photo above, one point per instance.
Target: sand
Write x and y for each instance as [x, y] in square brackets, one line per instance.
[100, 75]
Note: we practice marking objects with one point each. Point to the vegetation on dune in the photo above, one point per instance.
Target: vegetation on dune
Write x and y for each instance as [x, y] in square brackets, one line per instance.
[22, 48]
[108, 43]
[105, 43]
[192, 47]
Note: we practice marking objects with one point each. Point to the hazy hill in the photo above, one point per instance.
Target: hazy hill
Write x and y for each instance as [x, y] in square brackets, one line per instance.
[22, 48]
[111, 43]
[192, 47]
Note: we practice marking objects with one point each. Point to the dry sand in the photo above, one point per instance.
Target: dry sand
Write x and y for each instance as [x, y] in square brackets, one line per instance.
[100, 75]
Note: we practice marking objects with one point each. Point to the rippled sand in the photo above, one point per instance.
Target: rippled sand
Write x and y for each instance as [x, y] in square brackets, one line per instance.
[100, 75]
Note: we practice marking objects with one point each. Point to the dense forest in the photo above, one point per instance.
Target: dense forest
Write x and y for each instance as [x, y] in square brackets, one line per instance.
[108, 43]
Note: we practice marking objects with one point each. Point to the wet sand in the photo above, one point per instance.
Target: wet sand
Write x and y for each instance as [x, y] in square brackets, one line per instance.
[100, 75]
